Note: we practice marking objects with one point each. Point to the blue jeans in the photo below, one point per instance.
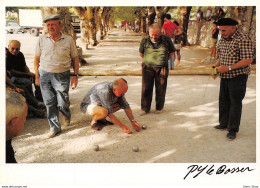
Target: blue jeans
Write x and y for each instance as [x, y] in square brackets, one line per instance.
[171, 61]
[55, 92]
[27, 83]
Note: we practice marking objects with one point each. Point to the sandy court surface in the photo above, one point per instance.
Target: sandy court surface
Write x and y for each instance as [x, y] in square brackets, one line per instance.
[183, 133]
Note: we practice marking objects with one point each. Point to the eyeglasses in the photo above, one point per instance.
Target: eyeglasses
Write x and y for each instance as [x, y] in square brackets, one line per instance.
[17, 49]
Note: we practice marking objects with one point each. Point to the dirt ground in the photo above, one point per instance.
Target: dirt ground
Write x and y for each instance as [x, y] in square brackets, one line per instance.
[183, 133]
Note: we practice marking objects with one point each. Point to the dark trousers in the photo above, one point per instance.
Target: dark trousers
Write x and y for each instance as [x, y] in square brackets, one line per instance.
[151, 76]
[9, 152]
[232, 92]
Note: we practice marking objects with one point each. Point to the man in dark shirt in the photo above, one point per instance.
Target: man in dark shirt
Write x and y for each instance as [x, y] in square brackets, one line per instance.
[16, 66]
[155, 49]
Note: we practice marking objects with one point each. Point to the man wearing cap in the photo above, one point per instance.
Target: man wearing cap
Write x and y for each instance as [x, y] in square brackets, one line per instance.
[53, 56]
[235, 51]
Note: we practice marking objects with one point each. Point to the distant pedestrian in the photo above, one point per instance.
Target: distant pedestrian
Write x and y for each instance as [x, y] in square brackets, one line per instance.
[169, 29]
[214, 39]
[177, 43]
[199, 15]
[155, 49]
[209, 13]
[236, 53]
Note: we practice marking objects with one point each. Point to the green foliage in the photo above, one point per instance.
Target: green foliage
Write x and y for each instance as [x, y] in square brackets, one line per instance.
[15, 9]
[194, 10]
[11, 18]
[125, 14]
[174, 13]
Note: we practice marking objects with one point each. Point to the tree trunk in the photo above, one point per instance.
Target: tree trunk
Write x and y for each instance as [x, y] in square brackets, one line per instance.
[244, 15]
[87, 25]
[160, 13]
[143, 15]
[184, 14]
[151, 16]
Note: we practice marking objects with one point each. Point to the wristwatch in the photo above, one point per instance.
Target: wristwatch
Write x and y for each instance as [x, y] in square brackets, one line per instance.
[229, 68]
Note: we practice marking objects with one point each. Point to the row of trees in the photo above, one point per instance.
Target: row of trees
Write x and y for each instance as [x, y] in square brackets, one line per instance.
[97, 21]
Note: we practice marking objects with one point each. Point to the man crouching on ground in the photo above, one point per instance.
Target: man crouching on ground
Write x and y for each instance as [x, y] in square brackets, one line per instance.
[103, 100]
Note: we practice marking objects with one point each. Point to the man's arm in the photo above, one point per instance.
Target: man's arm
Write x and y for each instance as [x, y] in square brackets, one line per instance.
[26, 72]
[36, 69]
[141, 54]
[241, 63]
[116, 121]
[179, 32]
[75, 64]
[130, 116]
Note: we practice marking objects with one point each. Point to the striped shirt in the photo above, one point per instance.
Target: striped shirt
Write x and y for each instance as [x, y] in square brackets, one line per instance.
[102, 95]
[234, 49]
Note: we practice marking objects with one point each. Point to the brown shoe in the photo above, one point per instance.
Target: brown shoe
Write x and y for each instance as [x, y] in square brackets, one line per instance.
[142, 113]
[40, 113]
[96, 126]
[104, 122]
[53, 134]
[158, 111]
[66, 122]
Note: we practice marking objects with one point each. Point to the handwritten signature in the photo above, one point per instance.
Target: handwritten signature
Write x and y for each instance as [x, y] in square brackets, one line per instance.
[196, 170]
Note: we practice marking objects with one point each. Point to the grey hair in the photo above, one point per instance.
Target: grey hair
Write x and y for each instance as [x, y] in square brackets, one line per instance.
[15, 105]
[15, 41]
[154, 26]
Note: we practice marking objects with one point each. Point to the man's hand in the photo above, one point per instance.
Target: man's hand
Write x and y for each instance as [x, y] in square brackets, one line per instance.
[136, 126]
[21, 91]
[37, 82]
[74, 82]
[222, 69]
[126, 129]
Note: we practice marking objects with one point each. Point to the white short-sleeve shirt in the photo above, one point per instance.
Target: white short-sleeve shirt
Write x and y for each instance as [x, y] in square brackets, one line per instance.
[55, 56]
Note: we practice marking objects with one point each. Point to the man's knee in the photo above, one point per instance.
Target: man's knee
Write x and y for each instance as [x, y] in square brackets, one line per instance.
[97, 110]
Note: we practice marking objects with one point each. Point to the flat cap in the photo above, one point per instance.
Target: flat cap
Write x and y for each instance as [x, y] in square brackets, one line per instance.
[51, 17]
[227, 22]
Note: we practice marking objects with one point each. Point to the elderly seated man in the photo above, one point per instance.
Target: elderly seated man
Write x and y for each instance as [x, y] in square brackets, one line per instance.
[16, 112]
[20, 73]
[103, 100]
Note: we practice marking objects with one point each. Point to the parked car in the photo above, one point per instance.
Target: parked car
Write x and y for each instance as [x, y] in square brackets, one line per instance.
[75, 23]
[13, 27]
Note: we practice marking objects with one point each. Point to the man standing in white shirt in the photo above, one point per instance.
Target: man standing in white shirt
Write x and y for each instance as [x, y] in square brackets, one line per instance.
[53, 56]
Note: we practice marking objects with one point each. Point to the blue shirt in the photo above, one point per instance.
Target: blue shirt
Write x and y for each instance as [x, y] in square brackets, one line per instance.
[102, 95]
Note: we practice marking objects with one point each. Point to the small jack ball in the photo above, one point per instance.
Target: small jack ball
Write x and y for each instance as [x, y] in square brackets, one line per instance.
[144, 126]
[135, 148]
[96, 147]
